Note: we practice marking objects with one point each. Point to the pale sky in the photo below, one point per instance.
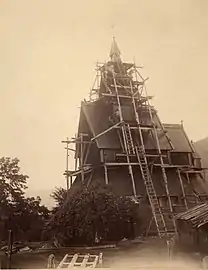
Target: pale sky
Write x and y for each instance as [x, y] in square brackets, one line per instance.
[48, 51]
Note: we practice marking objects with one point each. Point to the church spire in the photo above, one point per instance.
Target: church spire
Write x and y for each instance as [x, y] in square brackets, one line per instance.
[115, 53]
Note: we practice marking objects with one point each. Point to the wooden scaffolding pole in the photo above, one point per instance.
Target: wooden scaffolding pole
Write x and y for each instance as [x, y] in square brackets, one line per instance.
[143, 163]
[81, 158]
[71, 181]
[67, 165]
[182, 188]
[67, 161]
[87, 153]
[162, 164]
[106, 174]
[107, 130]
[123, 133]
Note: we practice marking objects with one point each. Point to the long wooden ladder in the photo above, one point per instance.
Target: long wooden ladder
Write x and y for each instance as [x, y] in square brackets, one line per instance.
[165, 179]
[131, 149]
[129, 139]
[141, 155]
[156, 211]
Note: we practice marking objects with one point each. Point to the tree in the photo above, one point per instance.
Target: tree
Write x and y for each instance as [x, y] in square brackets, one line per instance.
[29, 217]
[17, 212]
[59, 195]
[12, 182]
[90, 212]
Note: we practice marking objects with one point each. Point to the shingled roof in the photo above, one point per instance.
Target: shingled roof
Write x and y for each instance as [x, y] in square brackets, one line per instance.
[178, 138]
[197, 216]
[94, 117]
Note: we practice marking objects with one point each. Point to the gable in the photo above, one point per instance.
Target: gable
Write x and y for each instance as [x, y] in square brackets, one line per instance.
[178, 138]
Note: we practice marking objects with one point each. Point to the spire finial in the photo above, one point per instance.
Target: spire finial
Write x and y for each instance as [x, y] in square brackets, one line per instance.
[182, 123]
[115, 52]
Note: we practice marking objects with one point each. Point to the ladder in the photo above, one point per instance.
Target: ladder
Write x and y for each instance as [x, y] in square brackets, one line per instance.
[129, 140]
[76, 260]
[156, 211]
[165, 179]
[130, 149]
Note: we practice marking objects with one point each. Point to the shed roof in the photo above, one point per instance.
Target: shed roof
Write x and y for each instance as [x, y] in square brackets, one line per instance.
[197, 216]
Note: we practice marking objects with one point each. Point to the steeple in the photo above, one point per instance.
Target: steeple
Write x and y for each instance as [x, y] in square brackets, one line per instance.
[115, 53]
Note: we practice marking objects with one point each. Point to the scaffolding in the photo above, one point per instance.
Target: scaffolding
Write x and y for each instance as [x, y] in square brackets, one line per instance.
[134, 90]
[121, 83]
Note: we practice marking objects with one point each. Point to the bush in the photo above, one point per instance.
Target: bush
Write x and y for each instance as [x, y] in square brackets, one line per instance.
[90, 212]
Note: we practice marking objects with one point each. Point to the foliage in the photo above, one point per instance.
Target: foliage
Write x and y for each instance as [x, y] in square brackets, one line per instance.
[25, 216]
[12, 182]
[59, 195]
[92, 211]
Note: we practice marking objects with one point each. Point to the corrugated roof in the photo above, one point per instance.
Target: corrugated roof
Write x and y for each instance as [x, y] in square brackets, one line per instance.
[197, 216]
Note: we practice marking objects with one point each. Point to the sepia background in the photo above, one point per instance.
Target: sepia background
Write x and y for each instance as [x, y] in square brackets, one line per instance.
[48, 52]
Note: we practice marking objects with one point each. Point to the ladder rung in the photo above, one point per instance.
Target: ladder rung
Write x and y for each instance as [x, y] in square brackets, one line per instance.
[73, 260]
[85, 259]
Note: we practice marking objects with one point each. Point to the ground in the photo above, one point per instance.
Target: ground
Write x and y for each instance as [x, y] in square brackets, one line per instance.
[151, 254]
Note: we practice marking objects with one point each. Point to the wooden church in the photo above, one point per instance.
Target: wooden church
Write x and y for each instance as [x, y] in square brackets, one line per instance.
[122, 142]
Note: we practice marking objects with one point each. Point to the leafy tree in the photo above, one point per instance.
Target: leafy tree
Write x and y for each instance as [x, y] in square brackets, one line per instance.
[29, 216]
[17, 212]
[59, 195]
[89, 212]
[12, 182]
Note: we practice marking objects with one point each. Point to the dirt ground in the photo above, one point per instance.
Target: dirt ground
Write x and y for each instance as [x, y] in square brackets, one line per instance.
[151, 254]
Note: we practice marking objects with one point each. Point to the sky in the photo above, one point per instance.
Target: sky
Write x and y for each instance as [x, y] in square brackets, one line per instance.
[48, 52]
